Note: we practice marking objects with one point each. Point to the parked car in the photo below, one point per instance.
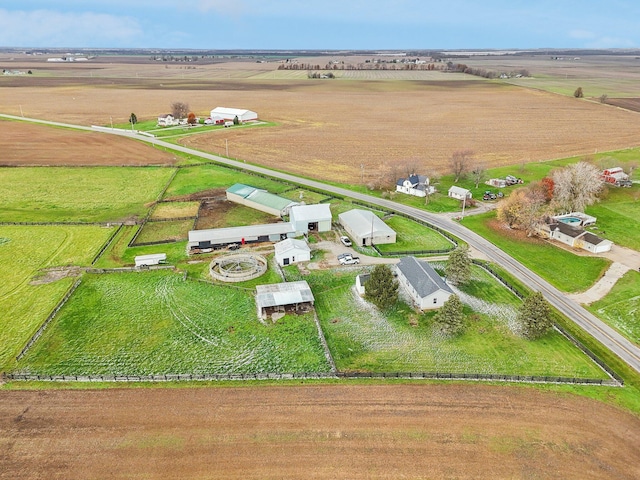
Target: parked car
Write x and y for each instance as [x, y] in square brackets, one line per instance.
[349, 260]
[345, 241]
[488, 195]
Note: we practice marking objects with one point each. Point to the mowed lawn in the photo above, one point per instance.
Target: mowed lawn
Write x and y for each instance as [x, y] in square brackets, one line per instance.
[24, 251]
[157, 323]
[362, 338]
[620, 308]
[619, 216]
[563, 269]
[97, 194]
[412, 236]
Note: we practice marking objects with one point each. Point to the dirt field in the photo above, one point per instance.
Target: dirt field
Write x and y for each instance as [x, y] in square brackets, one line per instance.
[28, 144]
[315, 432]
[350, 131]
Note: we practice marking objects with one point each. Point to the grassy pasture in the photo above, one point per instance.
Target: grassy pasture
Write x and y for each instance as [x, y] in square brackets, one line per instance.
[361, 338]
[26, 306]
[154, 323]
[619, 216]
[563, 269]
[620, 308]
[412, 236]
[97, 194]
[158, 231]
[175, 210]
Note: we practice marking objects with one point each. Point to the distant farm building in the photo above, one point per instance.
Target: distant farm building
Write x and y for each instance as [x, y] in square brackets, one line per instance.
[292, 251]
[615, 176]
[232, 113]
[423, 284]
[148, 260]
[217, 238]
[366, 228]
[496, 182]
[417, 185]
[259, 199]
[311, 218]
[167, 120]
[459, 193]
[283, 297]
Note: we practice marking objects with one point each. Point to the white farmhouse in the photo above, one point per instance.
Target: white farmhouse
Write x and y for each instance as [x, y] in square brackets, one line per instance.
[231, 113]
[417, 185]
[166, 120]
[292, 251]
[459, 193]
[578, 238]
[423, 284]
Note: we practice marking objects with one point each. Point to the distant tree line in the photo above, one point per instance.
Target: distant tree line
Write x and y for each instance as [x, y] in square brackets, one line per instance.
[483, 72]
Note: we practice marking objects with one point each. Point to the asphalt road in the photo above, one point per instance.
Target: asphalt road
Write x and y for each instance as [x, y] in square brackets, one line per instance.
[615, 342]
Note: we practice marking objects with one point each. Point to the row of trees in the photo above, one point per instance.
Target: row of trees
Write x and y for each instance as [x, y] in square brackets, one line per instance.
[534, 316]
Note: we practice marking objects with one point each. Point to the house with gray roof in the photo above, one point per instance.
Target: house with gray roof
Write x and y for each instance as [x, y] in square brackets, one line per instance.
[283, 297]
[422, 283]
[577, 237]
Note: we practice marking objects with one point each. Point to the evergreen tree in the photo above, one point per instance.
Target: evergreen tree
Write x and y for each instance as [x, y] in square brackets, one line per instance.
[450, 317]
[133, 119]
[535, 316]
[381, 289]
[236, 121]
[458, 269]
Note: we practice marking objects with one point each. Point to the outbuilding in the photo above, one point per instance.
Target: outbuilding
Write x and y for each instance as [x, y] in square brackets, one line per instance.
[283, 298]
[365, 227]
[221, 237]
[231, 113]
[259, 199]
[422, 283]
[311, 218]
[459, 193]
[151, 259]
[292, 251]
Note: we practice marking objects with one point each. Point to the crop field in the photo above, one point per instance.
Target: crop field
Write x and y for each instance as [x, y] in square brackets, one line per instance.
[58, 194]
[412, 236]
[155, 323]
[27, 292]
[620, 308]
[361, 338]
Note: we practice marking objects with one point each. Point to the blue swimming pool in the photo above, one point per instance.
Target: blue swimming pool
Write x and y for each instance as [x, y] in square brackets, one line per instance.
[570, 220]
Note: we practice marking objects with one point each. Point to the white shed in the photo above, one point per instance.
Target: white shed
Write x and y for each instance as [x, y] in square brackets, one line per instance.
[459, 193]
[231, 113]
[366, 228]
[311, 218]
[292, 251]
[151, 259]
[423, 284]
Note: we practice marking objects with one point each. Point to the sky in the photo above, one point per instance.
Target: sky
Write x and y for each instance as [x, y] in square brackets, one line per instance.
[320, 24]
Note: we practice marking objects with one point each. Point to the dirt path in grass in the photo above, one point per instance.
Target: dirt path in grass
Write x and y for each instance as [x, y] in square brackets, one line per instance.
[338, 431]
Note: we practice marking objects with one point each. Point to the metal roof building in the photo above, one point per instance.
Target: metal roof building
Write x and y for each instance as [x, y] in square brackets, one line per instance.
[422, 283]
[365, 227]
[282, 297]
[231, 113]
[315, 218]
[292, 251]
[220, 237]
[259, 199]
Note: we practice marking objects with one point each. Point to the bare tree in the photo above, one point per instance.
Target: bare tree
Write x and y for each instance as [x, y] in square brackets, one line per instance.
[576, 186]
[459, 162]
[179, 109]
[478, 172]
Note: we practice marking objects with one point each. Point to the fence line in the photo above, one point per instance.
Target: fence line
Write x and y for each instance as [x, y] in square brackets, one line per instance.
[50, 317]
[314, 376]
[106, 245]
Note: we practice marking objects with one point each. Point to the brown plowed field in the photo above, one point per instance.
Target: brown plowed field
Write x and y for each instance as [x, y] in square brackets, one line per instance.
[335, 129]
[28, 144]
[351, 432]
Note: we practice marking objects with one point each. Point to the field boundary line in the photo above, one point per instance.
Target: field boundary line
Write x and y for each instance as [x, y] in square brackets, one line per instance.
[106, 244]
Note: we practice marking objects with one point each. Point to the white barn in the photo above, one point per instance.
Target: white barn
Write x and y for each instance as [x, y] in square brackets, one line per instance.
[366, 228]
[422, 283]
[292, 251]
[221, 237]
[311, 218]
[231, 113]
[459, 193]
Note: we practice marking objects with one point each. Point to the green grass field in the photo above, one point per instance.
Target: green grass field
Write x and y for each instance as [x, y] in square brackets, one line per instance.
[175, 210]
[155, 323]
[361, 338]
[199, 178]
[25, 306]
[563, 269]
[620, 308]
[619, 216]
[159, 231]
[412, 236]
[58, 194]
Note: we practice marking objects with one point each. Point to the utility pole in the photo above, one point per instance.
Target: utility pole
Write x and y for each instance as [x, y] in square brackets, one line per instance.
[21, 114]
[226, 144]
[362, 173]
[111, 118]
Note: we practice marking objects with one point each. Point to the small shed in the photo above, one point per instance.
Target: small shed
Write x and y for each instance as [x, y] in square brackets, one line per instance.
[284, 297]
[311, 218]
[361, 280]
[459, 193]
[231, 113]
[151, 259]
[423, 284]
[292, 251]
[365, 227]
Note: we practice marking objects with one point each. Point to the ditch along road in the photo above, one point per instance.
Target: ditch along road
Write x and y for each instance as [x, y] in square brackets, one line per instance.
[619, 345]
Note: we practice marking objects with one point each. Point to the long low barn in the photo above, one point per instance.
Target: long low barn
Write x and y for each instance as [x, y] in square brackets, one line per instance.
[221, 237]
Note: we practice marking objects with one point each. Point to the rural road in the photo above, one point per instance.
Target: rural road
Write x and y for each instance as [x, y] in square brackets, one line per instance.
[619, 345]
